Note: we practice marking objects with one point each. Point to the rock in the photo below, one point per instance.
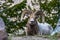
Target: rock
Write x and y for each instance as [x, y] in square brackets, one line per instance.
[3, 33]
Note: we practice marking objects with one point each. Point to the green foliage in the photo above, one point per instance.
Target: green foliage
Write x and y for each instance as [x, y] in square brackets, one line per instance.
[10, 1]
[48, 8]
[16, 11]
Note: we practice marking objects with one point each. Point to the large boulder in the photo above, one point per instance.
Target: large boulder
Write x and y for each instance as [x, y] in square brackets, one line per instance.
[3, 33]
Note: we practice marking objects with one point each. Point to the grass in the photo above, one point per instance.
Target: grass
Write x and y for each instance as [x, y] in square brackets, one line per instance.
[55, 37]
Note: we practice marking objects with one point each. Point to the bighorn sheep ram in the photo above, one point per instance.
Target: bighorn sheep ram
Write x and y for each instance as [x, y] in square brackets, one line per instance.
[33, 26]
[3, 33]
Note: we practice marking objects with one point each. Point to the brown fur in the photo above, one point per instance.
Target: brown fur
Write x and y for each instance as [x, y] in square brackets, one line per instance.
[32, 30]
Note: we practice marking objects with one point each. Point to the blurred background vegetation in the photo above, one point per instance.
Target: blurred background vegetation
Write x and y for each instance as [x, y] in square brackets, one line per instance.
[11, 15]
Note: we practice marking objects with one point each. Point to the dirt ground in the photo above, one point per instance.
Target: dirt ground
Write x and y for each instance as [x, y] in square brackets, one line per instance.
[33, 38]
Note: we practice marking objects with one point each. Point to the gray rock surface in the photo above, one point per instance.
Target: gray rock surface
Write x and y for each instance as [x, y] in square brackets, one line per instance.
[29, 38]
[3, 33]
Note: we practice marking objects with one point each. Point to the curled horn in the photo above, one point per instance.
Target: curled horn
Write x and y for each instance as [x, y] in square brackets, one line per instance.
[25, 11]
[40, 13]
